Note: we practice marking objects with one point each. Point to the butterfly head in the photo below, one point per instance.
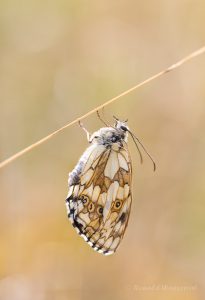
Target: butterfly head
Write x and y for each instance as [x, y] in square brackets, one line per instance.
[119, 132]
[111, 135]
[121, 126]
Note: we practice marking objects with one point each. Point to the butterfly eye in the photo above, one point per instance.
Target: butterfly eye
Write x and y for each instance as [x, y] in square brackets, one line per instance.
[100, 210]
[117, 204]
[123, 128]
[91, 207]
[84, 199]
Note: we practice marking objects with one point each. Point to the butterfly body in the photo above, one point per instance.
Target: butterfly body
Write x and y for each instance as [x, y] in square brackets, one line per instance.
[99, 197]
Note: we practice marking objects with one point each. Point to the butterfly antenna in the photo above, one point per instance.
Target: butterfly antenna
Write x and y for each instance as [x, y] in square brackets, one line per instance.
[136, 139]
[140, 154]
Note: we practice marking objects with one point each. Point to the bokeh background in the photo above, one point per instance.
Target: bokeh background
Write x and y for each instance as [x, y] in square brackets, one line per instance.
[58, 60]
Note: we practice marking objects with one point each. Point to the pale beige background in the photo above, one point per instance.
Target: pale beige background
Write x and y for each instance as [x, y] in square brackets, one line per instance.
[58, 59]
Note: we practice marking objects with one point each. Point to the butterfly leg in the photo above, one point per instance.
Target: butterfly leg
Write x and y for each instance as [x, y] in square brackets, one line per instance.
[101, 119]
[86, 131]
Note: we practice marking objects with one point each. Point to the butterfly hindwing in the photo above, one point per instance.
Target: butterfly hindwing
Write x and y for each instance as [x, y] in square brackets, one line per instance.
[99, 198]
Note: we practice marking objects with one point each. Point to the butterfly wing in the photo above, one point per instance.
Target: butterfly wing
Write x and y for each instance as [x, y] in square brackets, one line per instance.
[99, 198]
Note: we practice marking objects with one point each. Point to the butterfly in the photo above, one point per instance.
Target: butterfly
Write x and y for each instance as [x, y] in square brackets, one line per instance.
[100, 188]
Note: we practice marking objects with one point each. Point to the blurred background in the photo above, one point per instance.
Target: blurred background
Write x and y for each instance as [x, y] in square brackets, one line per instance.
[58, 60]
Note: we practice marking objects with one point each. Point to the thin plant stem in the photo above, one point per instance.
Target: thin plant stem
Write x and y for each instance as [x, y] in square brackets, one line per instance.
[51, 135]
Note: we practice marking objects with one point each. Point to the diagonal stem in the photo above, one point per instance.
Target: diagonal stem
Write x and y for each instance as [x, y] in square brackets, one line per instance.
[51, 135]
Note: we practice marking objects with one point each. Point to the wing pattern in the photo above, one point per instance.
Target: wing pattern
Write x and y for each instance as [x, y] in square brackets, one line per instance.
[99, 198]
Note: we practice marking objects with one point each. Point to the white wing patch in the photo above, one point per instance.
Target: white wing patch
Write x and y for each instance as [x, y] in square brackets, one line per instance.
[112, 165]
[122, 162]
